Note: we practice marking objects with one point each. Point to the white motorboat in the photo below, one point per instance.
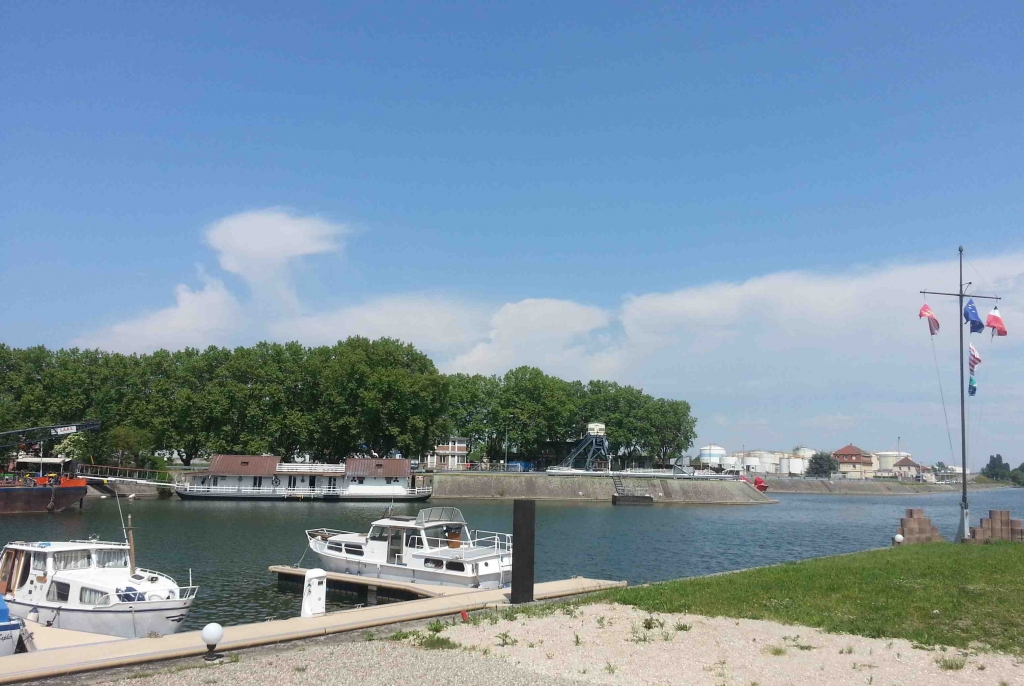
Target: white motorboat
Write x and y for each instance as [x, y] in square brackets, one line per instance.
[435, 547]
[10, 629]
[91, 586]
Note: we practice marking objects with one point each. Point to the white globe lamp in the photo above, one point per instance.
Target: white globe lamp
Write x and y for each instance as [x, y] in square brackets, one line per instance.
[898, 538]
[213, 634]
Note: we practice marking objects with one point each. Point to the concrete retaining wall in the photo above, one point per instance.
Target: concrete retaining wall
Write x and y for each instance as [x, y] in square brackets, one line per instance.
[849, 487]
[138, 490]
[544, 487]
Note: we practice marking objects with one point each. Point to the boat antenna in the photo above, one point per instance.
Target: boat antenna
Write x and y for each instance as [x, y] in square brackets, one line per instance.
[124, 529]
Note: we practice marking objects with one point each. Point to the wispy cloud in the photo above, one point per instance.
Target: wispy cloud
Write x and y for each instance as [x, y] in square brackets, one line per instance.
[260, 246]
[208, 316]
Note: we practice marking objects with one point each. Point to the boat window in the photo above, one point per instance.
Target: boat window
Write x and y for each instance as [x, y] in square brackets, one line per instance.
[379, 533]
[432, 564]
[354, 549]
[455, 566]
[107, 559]
[39, 562]
[413, 539]
[90, 596]
[71, 559]
[58, 592]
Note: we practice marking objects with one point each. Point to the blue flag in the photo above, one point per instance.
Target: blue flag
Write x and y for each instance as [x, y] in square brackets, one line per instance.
[971, 315]
[972, 387]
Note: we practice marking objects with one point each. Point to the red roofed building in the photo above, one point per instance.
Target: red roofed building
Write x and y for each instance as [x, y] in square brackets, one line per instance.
[908, 469]
[855, 463]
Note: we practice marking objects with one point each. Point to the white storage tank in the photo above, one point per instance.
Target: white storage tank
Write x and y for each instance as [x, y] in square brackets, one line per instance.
[785, 464]
[887, 459]
[804, 453]
[751, 462]
[797, 465]
[712, 454]
[731, 461]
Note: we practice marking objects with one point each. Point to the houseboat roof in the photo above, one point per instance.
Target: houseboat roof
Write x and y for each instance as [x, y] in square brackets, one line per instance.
[60, 546]
[367, 466]
[243, 465]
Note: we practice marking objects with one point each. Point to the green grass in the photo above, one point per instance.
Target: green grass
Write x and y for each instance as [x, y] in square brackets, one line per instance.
[932, 594]
[435, 642]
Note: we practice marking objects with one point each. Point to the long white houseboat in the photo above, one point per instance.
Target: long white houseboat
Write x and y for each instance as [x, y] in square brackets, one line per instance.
[91, 586]
[435, 547]
[265, 477]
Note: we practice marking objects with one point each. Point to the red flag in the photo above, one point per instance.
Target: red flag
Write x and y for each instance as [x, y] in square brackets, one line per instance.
[995, 322]
[933, 321]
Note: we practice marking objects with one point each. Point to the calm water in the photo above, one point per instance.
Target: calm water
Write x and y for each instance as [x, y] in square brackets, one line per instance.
[229, 546]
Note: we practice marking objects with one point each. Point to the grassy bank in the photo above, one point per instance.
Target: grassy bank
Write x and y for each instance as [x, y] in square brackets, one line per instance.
[939, 593]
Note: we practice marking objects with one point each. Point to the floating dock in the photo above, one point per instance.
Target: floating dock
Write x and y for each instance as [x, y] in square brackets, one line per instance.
[337, 581]
[84, 657]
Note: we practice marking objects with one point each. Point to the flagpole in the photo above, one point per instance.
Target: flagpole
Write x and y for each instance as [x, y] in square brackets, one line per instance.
[964, 528]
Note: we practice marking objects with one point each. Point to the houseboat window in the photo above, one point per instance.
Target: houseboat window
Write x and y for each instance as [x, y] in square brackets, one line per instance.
[215, 480]
[90, 596]
[58, 592]
[356, 550]
[257, 482]
[292, 482]
[71, 559]
[455, 566]
[107, 559]
[432, 564]
[379, 533]
[39, 562]
[360, 480]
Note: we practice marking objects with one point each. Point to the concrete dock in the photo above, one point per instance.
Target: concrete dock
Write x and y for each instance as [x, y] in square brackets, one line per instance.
[113, 652]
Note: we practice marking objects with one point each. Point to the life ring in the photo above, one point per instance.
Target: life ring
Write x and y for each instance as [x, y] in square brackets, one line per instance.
[276, 482]
[151, 597]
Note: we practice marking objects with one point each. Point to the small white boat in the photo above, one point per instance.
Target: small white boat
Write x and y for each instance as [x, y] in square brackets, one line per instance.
[91, 586]
[10, 629]
[435, 547]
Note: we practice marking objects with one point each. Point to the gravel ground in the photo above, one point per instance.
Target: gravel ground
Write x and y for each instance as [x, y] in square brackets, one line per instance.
[607, 644]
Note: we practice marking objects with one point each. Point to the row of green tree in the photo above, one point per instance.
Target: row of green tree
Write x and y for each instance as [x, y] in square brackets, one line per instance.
[999, 470]
[329, 402]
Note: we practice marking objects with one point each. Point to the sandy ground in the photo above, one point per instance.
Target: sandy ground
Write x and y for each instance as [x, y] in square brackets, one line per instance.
[606, 644]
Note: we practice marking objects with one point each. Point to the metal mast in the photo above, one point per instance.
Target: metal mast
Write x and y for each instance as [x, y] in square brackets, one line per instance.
[964, 528]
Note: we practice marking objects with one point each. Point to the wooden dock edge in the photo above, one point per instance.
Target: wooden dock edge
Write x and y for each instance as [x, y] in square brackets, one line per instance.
[126, 652]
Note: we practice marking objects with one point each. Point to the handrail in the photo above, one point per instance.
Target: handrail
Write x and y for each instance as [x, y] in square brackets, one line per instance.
[305, 468]
[317, 491]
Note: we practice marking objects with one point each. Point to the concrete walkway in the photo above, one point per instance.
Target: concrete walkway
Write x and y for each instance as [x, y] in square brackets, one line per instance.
[122, 652]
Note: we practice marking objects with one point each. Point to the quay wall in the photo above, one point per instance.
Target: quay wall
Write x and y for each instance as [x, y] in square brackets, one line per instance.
[110, 490]
[865, 487]
[507, 486]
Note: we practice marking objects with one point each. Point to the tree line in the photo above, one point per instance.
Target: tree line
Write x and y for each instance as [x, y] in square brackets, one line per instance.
[325, 403]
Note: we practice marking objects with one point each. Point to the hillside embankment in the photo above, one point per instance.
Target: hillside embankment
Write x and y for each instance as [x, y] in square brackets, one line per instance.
[507, 486]
[865, 487]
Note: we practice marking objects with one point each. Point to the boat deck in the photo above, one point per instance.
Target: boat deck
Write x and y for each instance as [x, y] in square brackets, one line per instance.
[86, 657]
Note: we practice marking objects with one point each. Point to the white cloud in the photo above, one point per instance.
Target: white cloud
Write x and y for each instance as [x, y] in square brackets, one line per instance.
[436, 325]
[208, 316]
[557, 335]
[260, 245]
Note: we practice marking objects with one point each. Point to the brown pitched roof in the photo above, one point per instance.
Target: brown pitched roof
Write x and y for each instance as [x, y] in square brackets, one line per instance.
[364, 466]
[244, 465]
[850, 449]
[851, 454]
[907, 462]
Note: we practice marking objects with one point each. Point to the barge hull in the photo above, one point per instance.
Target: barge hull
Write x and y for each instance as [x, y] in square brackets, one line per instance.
[329, 498]
[38, 499]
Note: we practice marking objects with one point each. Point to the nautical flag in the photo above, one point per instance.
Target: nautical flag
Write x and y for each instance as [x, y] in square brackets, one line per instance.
[995, 322]
[933, 321]
[974, 359]
[972, 387]
[971, 315]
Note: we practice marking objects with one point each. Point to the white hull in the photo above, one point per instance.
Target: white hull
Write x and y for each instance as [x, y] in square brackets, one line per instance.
[487, 580]
[137, 620]
[9, 632]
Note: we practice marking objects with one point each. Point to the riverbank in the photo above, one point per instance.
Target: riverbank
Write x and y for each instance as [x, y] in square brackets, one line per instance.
[539, 486]
[866, 487]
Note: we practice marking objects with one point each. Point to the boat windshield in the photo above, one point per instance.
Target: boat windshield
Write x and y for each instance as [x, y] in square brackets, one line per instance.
[440, 536]
[109, 559]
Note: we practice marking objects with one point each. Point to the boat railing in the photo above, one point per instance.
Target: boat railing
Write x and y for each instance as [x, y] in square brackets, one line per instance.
[324, 534]
[501, 542]
[182, 593]
[305, 468]
[317, 491]
[93, 541]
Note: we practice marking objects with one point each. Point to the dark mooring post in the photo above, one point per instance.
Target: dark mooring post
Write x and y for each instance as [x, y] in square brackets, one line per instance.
[524, 529]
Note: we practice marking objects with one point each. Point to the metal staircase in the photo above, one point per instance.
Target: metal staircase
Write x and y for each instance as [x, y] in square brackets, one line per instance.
[617, 482]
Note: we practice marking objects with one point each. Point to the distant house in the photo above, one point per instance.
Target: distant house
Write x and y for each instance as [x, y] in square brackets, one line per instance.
[855, 463]
[907, 469]
[451, 455]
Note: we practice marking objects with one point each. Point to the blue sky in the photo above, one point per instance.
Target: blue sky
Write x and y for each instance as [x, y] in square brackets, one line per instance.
[549, 181]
